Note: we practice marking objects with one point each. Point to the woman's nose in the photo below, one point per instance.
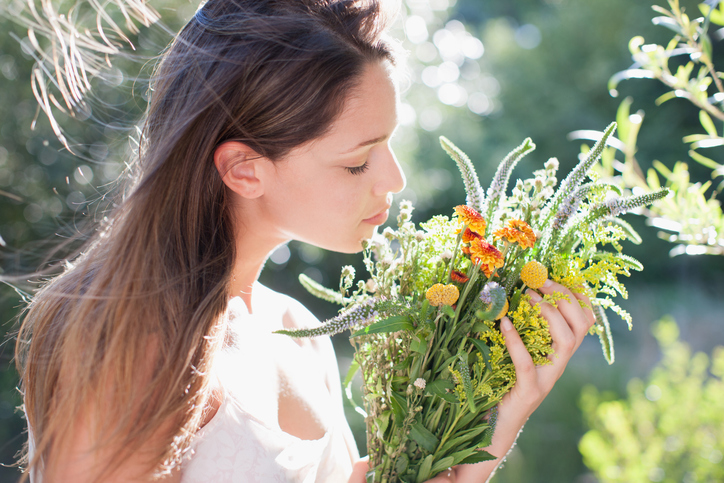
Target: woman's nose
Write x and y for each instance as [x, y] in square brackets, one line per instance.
[392, 179]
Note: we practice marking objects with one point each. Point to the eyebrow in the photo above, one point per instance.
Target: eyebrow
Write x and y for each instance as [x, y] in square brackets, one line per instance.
[367, 143]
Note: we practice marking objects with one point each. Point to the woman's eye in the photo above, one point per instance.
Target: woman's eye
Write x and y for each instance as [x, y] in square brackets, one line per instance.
[358, 169]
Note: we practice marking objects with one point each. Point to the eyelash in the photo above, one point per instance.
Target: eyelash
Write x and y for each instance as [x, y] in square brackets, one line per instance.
[356, 170]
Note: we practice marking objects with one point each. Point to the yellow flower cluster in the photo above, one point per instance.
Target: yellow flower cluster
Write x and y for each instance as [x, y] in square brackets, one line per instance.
[533, 329]
[440, 294]
[534, 274]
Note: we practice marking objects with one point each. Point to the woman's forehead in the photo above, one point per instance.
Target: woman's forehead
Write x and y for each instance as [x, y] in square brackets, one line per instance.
[369, 114]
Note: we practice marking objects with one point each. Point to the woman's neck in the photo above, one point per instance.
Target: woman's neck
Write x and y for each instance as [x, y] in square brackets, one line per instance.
[252, 250]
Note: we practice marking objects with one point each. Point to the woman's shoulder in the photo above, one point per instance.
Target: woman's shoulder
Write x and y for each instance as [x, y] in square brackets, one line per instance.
[290, 312]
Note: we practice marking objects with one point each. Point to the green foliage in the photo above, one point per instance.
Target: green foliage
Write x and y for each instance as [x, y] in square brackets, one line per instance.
[692, 217]
[670, 428]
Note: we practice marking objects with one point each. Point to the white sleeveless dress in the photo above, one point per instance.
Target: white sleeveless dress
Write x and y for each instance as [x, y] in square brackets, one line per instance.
[237, 446]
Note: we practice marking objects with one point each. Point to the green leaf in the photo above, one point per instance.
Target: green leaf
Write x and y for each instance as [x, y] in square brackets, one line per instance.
[665, 97]
[391, 324]
[447, 310]
[442, 465]
[384, 421]
[478, 457]
[399, 407]
[402, 463]
[461, 455]
[661, 168]
[692, 138]
[715, 15]
[419, 345]
[439, 388]
[423, 474]
[462, 440]
[416, 367]
[479, 327]
[604, 333]
[669, 23]
[486, 438]
[484, 350]
[622, 119]
[423, 437]
[707, 123]
[424, 309]
[703, 160]
[652, 179]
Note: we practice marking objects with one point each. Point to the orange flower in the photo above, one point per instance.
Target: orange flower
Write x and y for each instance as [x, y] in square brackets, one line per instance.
[469, 235]
[459, 277]
[517, 231]
[470, 217]
[486, 255]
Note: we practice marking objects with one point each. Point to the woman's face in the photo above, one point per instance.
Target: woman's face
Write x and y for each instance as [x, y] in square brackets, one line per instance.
[334, 191]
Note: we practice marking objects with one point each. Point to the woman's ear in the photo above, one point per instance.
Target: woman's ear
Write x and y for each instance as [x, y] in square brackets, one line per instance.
[238, 165]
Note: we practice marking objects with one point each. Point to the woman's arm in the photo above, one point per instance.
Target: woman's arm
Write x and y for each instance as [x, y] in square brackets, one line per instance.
[569, 324]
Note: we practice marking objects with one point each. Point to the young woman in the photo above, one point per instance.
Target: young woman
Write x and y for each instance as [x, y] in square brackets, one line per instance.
[152, 355]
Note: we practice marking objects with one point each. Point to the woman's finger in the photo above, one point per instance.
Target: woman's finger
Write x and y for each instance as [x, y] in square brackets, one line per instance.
[571, 310]
[564, 340]
[524, 366]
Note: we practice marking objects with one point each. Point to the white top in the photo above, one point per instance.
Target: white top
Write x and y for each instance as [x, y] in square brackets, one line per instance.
[244, 442]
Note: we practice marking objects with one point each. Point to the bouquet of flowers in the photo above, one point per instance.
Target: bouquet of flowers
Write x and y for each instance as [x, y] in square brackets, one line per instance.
[425, 325]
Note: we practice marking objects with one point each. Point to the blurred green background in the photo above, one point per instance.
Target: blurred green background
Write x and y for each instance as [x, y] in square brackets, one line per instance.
[484, 73]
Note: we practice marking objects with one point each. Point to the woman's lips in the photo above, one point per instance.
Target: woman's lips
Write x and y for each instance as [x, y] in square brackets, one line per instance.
[379, 218]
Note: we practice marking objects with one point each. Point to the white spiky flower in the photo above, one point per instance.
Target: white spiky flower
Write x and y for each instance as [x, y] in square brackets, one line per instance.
[420, 383]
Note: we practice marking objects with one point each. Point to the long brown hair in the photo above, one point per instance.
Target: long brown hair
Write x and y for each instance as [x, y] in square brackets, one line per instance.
[131, 326]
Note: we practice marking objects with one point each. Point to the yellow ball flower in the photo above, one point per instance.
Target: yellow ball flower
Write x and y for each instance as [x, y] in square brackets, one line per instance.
[534, 274]
[440, 294]
[504, 311]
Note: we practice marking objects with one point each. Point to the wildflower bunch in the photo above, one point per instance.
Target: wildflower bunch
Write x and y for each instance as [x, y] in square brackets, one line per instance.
[426, 327]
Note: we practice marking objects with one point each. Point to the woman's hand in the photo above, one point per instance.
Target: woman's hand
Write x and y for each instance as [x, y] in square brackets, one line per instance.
[359, 469]
[568, 324]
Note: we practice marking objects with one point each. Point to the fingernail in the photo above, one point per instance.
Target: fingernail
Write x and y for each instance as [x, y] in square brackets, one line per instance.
[534, 296]
[505, 324]
[547, 283]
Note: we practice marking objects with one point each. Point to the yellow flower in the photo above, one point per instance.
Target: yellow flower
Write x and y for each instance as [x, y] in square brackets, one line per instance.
[440, 294]
[470, 217]
[534, 274]
[517, 231]
[486, 255]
